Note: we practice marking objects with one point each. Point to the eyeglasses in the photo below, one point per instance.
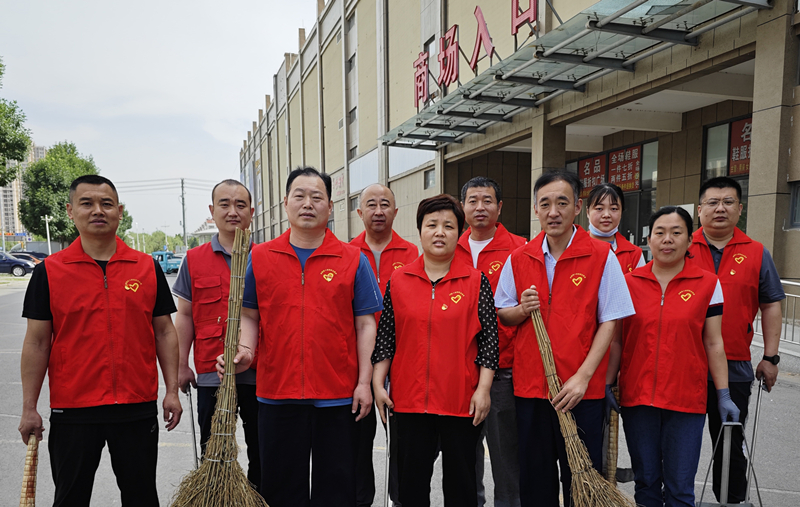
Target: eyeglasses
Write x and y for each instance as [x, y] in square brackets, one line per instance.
[713, 203]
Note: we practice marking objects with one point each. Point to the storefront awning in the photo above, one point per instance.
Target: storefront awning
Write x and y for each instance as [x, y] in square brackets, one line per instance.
[610, 36]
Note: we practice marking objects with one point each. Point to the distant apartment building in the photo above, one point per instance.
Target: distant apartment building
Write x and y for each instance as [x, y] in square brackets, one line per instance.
[11, 194]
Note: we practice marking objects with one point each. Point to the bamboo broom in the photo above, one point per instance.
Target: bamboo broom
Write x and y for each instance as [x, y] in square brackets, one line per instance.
[613, 442]
[589, 488]
[220, 480]
[27, 497]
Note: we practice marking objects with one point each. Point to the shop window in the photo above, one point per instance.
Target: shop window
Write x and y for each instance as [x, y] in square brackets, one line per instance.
[794, 218]
[353, 203]
[716, 151]
[572, 167]
[430, 178]
[649, 165]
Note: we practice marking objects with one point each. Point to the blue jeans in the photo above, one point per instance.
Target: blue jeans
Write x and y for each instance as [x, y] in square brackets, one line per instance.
[665, 449]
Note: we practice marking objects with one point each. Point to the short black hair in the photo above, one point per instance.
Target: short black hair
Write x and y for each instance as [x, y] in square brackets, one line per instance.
[721, 182]
[559, 175]
[481, 182]
[668, 210]
[361, 195]
[604, 190]
[438, 203]
[91, 179]
[309, 171]
[234, 183]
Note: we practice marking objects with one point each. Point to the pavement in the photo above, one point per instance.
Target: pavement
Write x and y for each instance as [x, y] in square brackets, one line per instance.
[777, 460]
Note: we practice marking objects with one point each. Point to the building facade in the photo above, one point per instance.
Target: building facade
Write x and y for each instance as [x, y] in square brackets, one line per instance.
[654, 96]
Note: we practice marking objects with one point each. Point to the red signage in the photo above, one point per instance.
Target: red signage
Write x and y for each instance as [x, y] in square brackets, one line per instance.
[624, 168]
[481, 39]
[592, 172]
[739, 156]
[448, 57]
[520, 19]
[421, 79]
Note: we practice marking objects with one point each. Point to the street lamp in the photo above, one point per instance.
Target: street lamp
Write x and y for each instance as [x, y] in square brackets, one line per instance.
[135, 240]
[139, 240]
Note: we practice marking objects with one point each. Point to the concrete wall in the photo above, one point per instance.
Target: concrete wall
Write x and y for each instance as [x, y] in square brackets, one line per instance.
[367, 69]
[404, 23]
[332, 110]
[311, 119]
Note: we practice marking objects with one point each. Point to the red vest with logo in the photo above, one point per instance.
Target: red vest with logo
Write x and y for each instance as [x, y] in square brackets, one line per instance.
[211, 280]
[434, 370]
[627, 254]
[490, 262]
[307, 348]
[104, 349]
[738, 275]
[664, 362]
[395, 255]
[569, 309]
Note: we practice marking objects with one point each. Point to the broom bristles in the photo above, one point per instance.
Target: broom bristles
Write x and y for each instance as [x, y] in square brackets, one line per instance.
[27, 497]
[589, 488]
[220, 480]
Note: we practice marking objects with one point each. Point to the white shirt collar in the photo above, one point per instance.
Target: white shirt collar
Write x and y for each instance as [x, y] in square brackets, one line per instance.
[546, 247]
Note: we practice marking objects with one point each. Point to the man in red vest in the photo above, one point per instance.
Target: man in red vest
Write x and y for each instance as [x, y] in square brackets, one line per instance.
[98, 317]
[750, 282]
[583, 295]
[386, 251]
[314, 299]
[485, 246]
[202, 287]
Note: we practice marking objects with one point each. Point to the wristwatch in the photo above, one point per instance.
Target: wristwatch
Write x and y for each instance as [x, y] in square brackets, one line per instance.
[772, 359]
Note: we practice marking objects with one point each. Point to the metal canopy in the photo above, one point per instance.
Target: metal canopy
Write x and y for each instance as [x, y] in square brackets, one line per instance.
[611, 35]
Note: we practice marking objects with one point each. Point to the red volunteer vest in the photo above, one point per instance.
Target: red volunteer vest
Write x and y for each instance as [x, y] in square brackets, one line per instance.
[434, 370]
[569, 310]
[664, 362]
[211, 280]
[738, 275]
[395, 255]
[627, 254]
[103, 350]
[490, 262]
[308, 336]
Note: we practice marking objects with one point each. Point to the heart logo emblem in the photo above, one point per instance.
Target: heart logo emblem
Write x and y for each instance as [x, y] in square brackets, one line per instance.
[133, 284]
[577, 280]
[686, 296]
[328, 277]
[496, 266]
[456, 298]
[397, 265]
[739, 258]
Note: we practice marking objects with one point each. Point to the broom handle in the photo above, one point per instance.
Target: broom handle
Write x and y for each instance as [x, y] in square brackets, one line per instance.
[613, 442]
[27, 497]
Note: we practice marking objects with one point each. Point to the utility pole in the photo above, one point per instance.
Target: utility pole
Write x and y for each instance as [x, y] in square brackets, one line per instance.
[47, 219]
[2, 218]
[183, 206]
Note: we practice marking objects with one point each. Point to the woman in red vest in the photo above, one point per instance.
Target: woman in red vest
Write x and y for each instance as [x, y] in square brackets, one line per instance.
[604, 209]
[442, 357]
[663, 354]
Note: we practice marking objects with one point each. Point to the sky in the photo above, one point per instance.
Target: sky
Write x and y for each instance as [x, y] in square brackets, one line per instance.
[154, 91]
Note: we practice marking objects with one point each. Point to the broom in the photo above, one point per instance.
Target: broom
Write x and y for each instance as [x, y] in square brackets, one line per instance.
[589, 488]
[613, 441]
[27, 497]
[220, 480]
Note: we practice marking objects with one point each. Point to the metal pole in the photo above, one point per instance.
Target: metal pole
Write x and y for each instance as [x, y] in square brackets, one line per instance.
[183, 206]
[2, 217]
[47, 228]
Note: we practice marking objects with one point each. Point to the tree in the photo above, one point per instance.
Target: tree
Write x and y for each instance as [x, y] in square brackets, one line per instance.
[125, 224]
[15, 139]
[46, 191]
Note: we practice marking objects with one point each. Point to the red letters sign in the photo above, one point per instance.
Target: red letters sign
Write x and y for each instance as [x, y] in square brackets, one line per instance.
[623, 168]
[592, 172]
[519, 19]
[739, 156]
[481, 39]
[448, 57]
[421, 79]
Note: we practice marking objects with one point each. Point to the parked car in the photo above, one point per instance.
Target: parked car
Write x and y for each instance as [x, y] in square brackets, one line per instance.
[17, 267]
[169, 263]
[26, 256]
[39, 255]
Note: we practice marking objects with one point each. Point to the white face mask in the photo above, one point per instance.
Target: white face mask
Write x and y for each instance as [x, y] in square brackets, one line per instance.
[600, 234]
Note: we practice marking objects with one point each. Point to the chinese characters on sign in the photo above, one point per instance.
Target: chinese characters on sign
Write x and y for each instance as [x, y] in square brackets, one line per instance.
[592, 172]
[623, 168]
[421, 79]
[448, 57]
[337, 184]
[739, 156]
[481, 39]
[519, 19]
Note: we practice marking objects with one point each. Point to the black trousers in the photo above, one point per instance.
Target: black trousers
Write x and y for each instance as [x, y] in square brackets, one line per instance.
[365, 472]
[248, 411]
[418, 436]
[737, 482]
[542, 451]
[75, 451]
[290, 436]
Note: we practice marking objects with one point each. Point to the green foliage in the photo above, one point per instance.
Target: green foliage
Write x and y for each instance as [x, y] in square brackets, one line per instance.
[153, 242]
[15, 139]
[46, 191]
[193, 242]
[125, 224]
